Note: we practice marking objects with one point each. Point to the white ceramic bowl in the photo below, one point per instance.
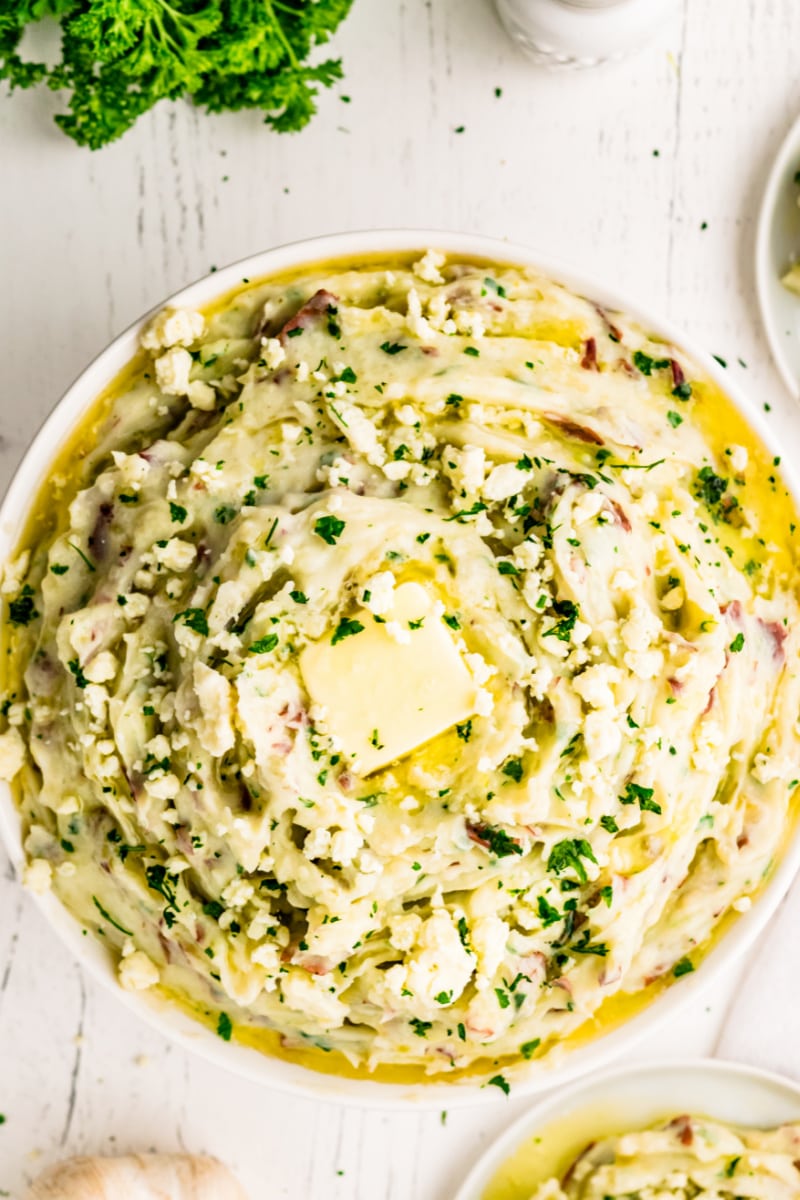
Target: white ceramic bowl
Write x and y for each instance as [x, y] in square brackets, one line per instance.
[778, 245]
[170, 1020]
[634, 1097]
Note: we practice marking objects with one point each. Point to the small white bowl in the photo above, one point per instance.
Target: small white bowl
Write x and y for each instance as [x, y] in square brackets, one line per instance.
[777, 246]
[633, 1098]
[170, 1020]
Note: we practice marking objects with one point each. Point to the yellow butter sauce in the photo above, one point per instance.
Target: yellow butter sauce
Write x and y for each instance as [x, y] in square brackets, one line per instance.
[551, 1151]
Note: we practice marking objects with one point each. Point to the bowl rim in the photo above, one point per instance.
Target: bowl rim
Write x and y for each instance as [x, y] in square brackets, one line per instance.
[170, 1020]
[788, 152]
[556, 1105]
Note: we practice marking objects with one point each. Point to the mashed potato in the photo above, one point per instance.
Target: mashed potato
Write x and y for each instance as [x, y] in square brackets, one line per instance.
[404, 660]
[686, 1159]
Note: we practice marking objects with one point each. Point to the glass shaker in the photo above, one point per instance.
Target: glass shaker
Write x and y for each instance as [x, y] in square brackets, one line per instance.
[583, 33]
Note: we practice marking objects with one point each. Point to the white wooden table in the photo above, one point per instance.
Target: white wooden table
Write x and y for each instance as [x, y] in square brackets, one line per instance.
[648, 174]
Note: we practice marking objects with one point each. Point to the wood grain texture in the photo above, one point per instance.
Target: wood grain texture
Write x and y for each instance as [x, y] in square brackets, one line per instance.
[88, 242]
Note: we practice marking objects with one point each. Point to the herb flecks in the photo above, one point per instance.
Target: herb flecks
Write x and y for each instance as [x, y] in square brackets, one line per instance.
[330, 529]
[496, 840]
[346, 628]
[643, 796]
[22, 610]
[568, 855]
[194, 618]
[160, 880]
[568, 614]
[644, 363]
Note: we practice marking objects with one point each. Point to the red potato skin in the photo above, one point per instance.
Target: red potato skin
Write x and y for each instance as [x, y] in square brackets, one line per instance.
[310, 313]
[589, 360]
[581, 433]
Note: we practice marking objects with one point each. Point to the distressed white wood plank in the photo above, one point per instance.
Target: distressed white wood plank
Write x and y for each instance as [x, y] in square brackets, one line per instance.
[87, 242]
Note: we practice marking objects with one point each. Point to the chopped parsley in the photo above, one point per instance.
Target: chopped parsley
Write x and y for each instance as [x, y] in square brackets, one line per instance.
[737, 644]
[224, 514]
[195, 618]
[684, 966]
[75, 667]
[159, 880]
[635, 793]
[393, 347]
[584, 946]
[264, 644]
[500, 1081]
[567, 855]
[644, 363]
[462, 515]
[334, 328]
[224, 1027]
[547, 913]
[329, 529]
[568, 612]
[492, 285]
[22, 610]
[345, 629]
[710, 487]
[177, 513]
[500, 843]
[513, 769]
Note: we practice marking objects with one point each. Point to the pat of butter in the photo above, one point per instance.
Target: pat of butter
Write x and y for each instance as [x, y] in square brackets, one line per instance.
[385, 697]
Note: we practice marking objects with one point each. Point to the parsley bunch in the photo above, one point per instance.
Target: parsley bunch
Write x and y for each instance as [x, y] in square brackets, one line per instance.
[120, 57]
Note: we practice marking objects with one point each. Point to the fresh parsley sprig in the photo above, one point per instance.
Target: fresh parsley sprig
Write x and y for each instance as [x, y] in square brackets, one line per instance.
[120, 57]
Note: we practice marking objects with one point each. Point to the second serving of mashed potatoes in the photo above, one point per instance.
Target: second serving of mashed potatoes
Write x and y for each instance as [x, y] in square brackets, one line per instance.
[404, 660]
[687, 1158]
